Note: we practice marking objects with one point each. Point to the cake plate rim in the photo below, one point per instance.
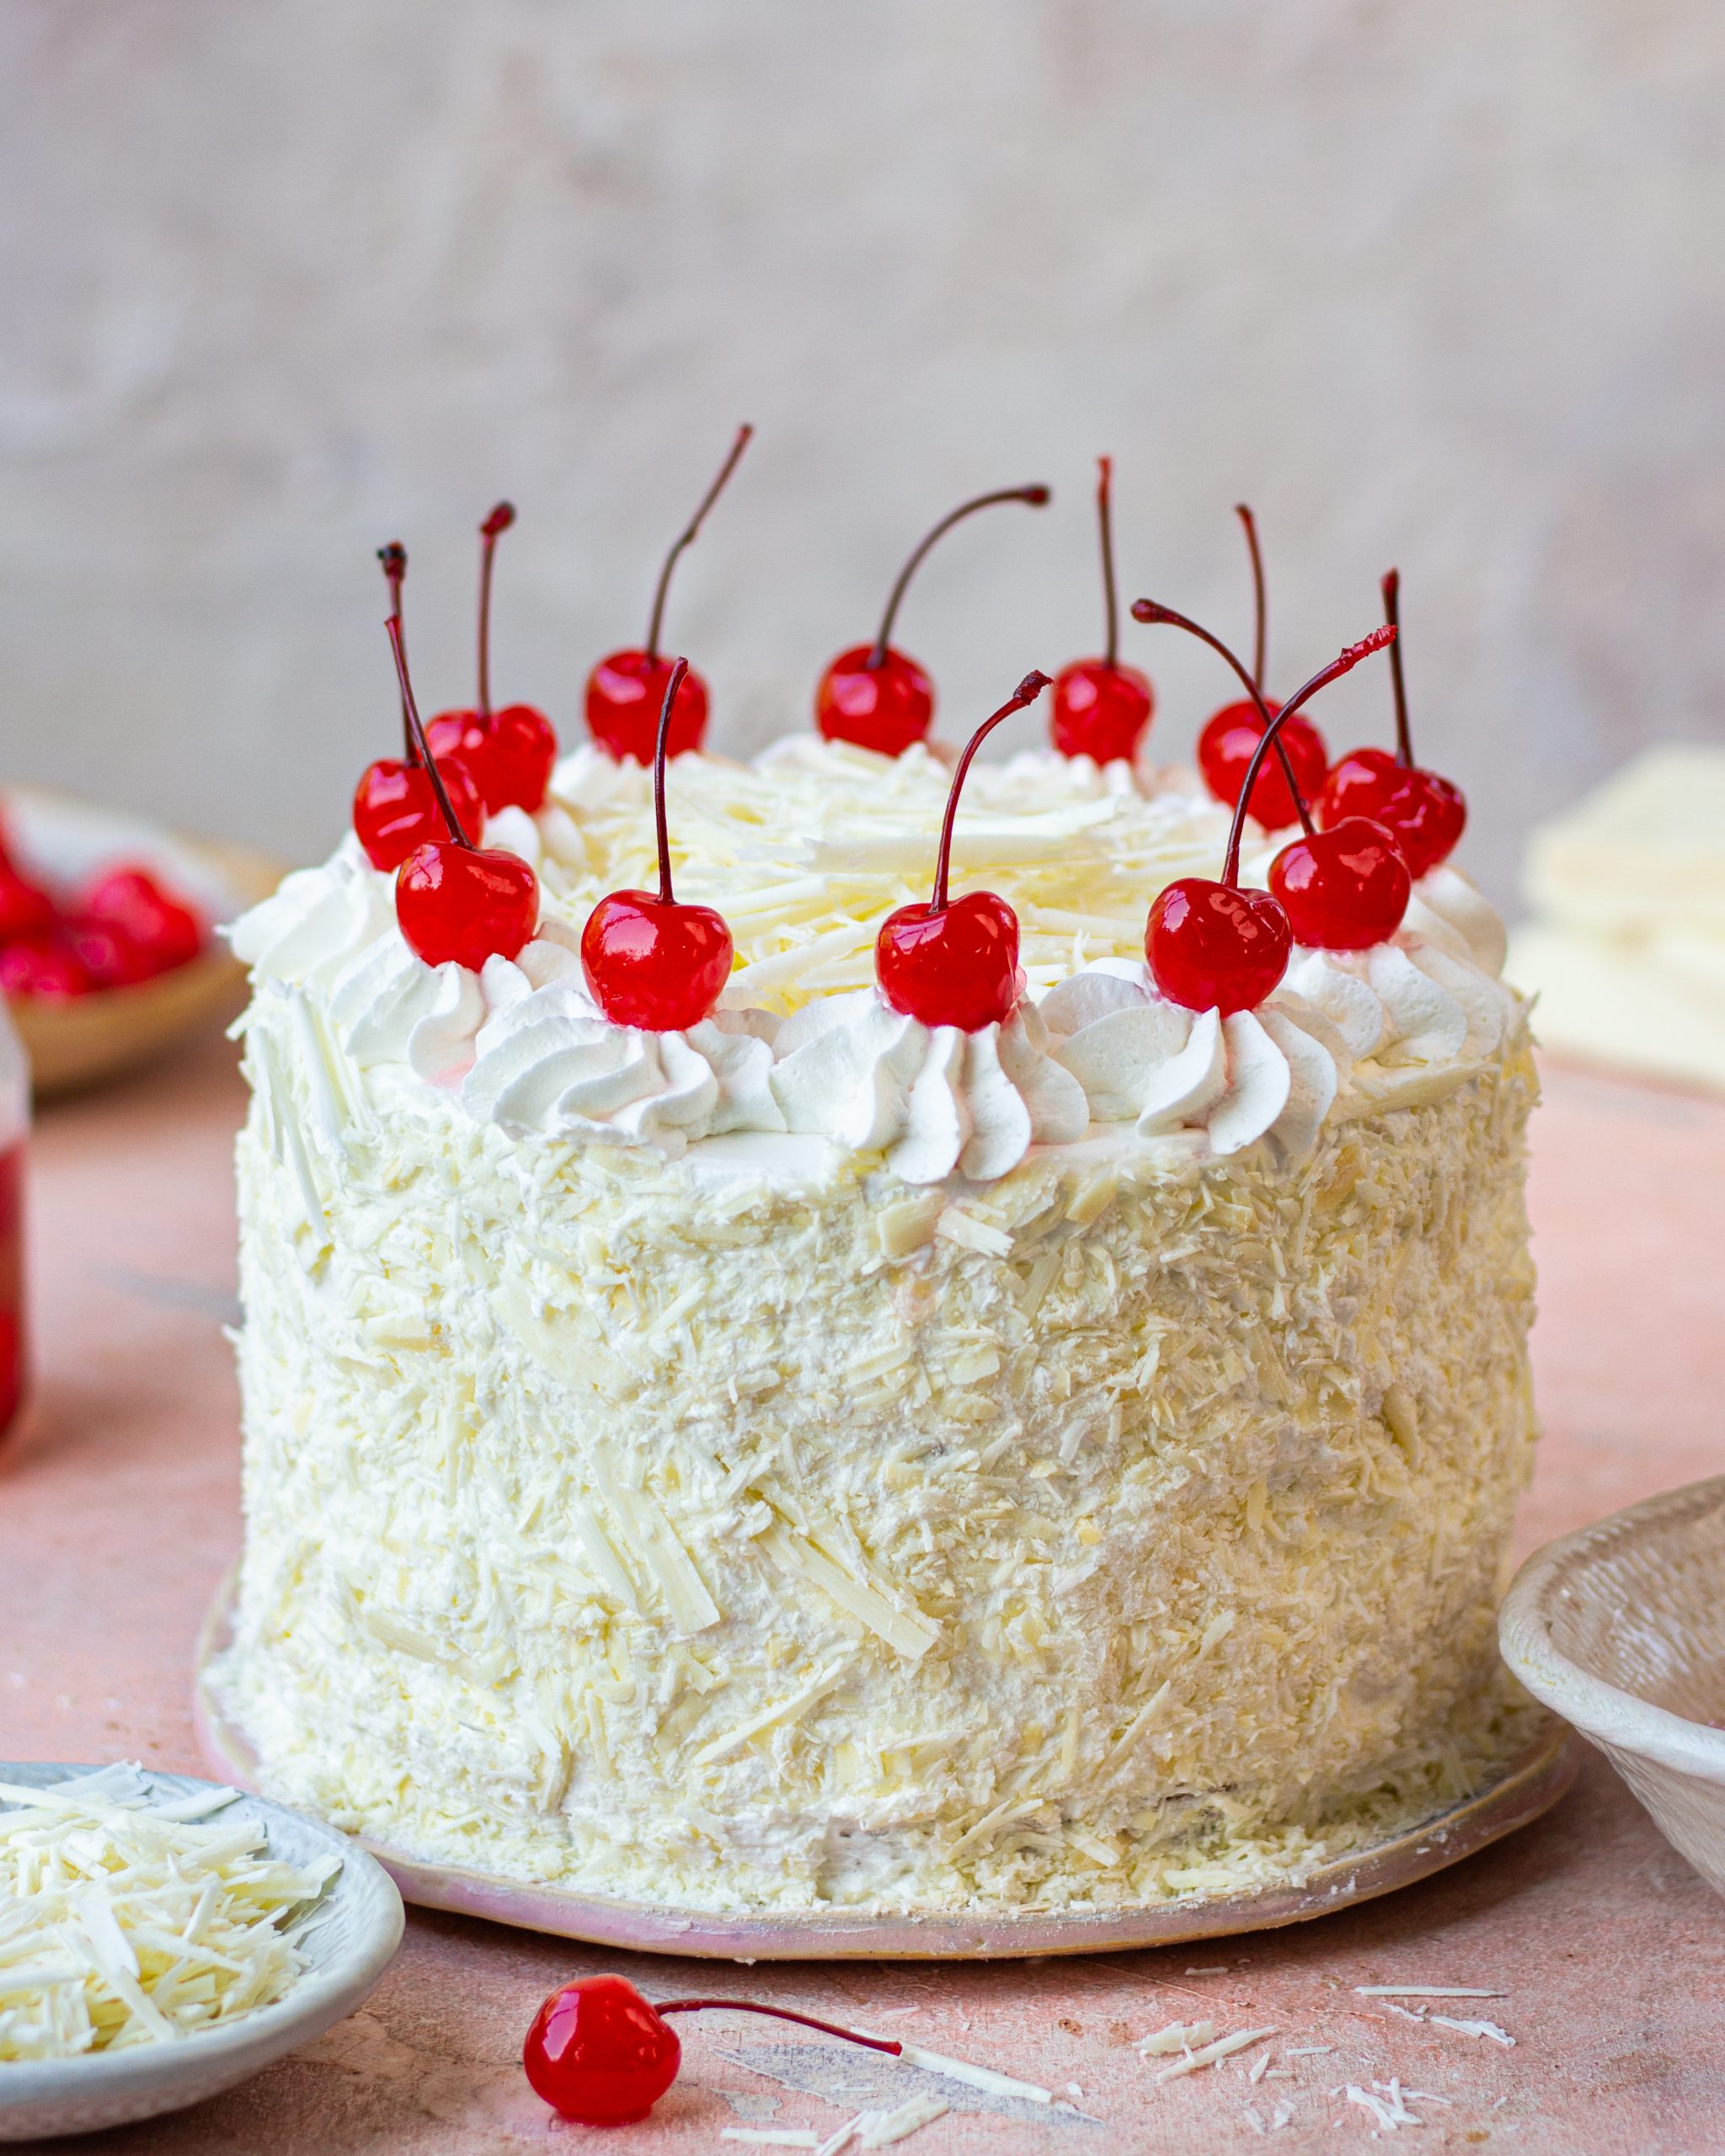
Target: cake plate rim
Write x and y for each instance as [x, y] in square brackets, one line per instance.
[1519, 1792]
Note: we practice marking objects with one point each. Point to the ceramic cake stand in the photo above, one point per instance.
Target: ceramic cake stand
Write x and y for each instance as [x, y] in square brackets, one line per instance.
[1519, 1792]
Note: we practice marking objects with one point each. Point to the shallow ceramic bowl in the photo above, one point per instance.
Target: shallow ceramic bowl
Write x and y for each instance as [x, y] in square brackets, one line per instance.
[94, 1036]
[1622, 1630]
[349, 1938]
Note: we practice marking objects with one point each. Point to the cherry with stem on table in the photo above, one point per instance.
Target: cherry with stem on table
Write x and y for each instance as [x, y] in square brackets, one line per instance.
[651, 961]
[1226, 745]
[1101, 708]
[512, 752]
[456, 903]
[876, 696]
[1427, 812]
[625, 690]
[1214, 945]
[954, 962]
[395, 809]
[600, 2054]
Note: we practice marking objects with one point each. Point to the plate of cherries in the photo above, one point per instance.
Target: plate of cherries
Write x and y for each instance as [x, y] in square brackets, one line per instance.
[107, 949]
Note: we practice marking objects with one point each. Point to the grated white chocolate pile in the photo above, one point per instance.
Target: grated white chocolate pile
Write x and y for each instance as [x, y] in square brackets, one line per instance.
[695, 1507]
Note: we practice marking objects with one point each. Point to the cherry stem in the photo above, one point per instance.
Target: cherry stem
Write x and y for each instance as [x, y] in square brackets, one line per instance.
[418, 734]
[394, 558]
[1038, 498]
[1027, 691]
[686, 535]
[1104, 512]
[679, 668]
[1260, 605]
[887, 2044]
[1392, 589]
[498, 522]
[1148, 609]
[1344, 663]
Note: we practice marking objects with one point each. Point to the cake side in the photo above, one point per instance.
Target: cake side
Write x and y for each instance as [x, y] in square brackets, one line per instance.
[700, 1533]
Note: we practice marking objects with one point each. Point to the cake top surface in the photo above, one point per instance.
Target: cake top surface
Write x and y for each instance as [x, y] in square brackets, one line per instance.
[805, 850]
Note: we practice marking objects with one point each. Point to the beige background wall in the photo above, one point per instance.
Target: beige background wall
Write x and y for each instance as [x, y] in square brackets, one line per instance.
[1442, 285]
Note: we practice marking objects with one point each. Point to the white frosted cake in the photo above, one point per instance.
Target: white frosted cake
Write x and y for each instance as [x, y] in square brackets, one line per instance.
[813, 1459]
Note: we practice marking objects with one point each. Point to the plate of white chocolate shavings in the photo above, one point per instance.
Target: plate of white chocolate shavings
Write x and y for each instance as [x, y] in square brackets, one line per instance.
[162, 1937]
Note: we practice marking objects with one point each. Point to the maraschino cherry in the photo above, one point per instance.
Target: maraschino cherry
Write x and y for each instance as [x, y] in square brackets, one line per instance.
[1343, 889]
[955, 961]
[1214, 947]
[1101, 708]
[395, 809]
[879, 698]
[649, 962]
[625, 692]
[600, 2055]
[1427, 813]
[455, 902]
[1226, 745]
[510, 752]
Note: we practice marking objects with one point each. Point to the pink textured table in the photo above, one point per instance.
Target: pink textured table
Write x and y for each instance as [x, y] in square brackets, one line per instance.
[118, 1513]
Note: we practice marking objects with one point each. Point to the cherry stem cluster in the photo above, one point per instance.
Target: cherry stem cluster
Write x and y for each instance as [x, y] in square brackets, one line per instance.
[394, 558]
[497, 523]
[888, 2044]
[1148, 609]
[1339, 666]
[686, 536]
[1392, 590]
[417, 735]
[1027, 691]
[1105, 518]
[680, 667]
[1260, 604]
[1038, 498]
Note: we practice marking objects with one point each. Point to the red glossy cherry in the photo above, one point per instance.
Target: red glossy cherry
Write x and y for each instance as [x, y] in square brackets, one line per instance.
[1225, 748]
[649, 962]
[1101, 708]
[876, 697]
[465, 903]
[955, 963]
[25, 908]
[886, 704]
[626, 690]
[161, 927]
[455, 902]
[1344, 889]
[1210, 946]
[624, 695]
[1214, 947]
[512, 752]
[1425, 812]
[395, 809]
[43, 968]
[600, 2055]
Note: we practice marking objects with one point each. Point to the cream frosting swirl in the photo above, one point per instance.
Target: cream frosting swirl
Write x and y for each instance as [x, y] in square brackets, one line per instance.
[936, 1100]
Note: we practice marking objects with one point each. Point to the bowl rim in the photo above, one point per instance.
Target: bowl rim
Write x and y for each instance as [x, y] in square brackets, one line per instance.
[331, 1991]
[1599, 1708]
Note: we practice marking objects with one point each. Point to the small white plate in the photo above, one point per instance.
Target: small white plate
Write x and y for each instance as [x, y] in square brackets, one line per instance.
[1620, 1628]
[348, 1937]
